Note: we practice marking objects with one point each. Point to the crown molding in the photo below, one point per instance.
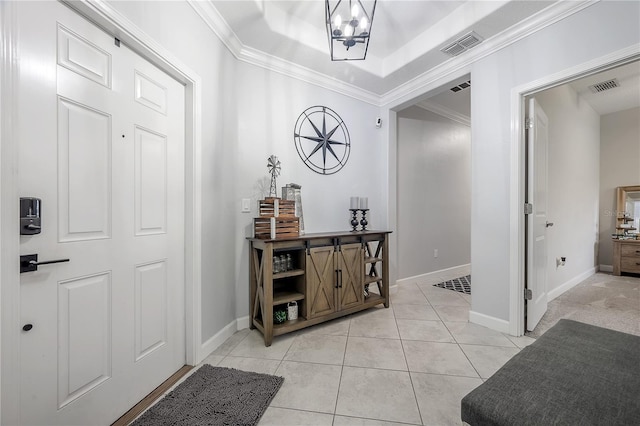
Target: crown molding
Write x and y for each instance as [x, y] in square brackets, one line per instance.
[293, 70]
[552, 14]
[445, 112]
[219, 26]
[210, 15]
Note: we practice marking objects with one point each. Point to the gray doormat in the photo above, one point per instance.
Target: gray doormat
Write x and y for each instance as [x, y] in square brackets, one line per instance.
[461, 285]
[214, 396]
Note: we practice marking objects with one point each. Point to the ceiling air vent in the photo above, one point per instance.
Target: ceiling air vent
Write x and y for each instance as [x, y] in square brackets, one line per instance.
[605, 85]
[465, 42]
[461, 86]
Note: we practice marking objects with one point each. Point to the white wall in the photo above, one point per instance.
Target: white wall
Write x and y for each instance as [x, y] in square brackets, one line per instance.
[248, 114]
[602, 28]
[573, 193]
[619, 166]
[231, 136]
[434, 192]
[268, 106]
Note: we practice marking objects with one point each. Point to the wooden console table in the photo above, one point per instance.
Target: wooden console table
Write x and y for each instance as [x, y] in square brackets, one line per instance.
[329, 277]
[626, 256]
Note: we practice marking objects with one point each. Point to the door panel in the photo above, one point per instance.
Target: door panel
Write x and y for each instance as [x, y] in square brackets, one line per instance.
[537, 140]
[150, 93]
[351, 265]
[84, 172]
[151, 308]
[83, 57]
[320, 276]
[84, 339]
[108, 326]
[151, 182]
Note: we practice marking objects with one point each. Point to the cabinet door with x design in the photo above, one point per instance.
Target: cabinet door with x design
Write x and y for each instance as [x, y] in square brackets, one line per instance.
[350, 265]
[334, 278]
[321, 279]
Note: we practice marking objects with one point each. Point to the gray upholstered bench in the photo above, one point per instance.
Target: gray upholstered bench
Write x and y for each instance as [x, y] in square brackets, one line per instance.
[574, 374]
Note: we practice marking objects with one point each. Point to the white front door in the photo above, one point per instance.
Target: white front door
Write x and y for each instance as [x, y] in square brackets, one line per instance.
[102, 145]
[537, 141]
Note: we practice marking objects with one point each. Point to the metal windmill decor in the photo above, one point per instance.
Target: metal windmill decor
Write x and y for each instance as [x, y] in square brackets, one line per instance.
[273, 165]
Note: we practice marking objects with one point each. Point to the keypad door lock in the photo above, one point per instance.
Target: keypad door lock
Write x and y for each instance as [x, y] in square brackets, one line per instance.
[30, 215]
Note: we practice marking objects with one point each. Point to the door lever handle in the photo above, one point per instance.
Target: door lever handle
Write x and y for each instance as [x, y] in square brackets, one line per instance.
[29, 262]
[549, 224]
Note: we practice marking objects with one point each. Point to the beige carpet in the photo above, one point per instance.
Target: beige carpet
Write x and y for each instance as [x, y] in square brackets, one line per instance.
[602, 299]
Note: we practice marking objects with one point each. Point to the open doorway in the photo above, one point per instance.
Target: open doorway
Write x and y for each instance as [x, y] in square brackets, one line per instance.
[434, 186]
[593, 147]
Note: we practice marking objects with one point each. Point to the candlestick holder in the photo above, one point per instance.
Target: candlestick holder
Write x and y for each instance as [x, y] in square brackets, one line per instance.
[354, 219]
[363, 221]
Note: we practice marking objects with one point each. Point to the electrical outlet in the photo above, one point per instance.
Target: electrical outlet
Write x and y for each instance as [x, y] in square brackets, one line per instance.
[246, 205]
[435, 253]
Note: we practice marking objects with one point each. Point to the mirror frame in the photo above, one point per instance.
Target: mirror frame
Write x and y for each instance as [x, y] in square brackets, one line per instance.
[622, 196]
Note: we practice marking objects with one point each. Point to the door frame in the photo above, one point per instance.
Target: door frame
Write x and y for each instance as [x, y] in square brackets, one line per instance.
[517, 247]
[113, 22]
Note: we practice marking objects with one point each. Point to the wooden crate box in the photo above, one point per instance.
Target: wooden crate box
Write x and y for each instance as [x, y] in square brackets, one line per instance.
[277, 207]
[276, 227]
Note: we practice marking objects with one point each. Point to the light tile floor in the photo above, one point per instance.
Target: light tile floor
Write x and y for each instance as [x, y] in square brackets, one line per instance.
[409, 364]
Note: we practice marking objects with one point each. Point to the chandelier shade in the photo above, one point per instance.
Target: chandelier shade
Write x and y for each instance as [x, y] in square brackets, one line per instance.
[349, 28]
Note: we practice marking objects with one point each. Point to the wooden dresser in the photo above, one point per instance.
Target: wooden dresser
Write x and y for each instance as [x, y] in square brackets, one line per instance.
[328, 277]
[626, 256]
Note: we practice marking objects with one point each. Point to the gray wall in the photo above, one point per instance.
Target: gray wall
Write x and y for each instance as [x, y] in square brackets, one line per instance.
[619, 166]
[573, 193]
[269, 104]
[434, 192]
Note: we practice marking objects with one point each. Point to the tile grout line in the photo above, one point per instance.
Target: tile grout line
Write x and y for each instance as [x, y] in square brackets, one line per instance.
[463, 352]
[413, 388]
[454, 338]
[335, 407]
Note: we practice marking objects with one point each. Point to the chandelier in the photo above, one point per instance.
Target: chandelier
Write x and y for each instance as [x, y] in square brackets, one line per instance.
[349, 27]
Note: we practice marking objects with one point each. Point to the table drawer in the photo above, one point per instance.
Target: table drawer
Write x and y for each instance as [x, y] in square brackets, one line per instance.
[630, 264]
[630, 250]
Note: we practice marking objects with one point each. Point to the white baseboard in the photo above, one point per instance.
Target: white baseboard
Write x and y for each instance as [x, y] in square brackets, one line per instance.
[605, 268]
[489, 322]
[552, 294]
[442, 274]
[243, 322]
[393, 289]
[220, 337]
[216, 340]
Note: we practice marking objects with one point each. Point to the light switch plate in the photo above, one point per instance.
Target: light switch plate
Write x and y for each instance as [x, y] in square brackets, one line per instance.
[246, 205]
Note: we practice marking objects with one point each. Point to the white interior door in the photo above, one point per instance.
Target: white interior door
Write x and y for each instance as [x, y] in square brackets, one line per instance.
[537, 142]
[102, 145]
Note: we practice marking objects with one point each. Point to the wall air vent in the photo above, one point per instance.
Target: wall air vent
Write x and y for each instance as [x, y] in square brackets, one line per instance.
[461, 86]
[465, 42]
[605, 85]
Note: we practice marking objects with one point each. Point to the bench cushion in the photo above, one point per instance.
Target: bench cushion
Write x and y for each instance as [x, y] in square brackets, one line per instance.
[574, 374]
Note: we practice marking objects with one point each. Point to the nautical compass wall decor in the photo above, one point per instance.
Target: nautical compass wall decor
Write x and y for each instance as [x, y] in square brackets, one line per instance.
[322, 140]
